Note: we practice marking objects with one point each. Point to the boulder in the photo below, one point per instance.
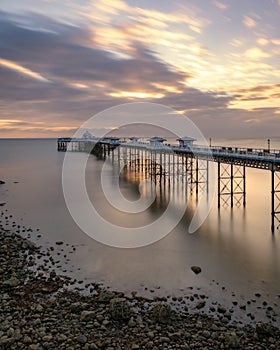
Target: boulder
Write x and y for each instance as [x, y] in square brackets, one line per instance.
[162, 313]
[196, 269]
[120, 309]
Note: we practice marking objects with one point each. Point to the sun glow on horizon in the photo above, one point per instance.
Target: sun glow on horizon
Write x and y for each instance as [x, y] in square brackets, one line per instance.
[136, 94]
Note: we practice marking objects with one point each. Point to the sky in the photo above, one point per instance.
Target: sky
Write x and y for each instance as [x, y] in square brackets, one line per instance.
[216, 61]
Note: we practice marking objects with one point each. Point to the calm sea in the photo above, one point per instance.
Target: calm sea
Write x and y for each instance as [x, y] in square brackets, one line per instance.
[234, 247]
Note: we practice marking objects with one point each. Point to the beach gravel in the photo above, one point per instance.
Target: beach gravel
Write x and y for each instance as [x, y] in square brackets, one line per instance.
[39, 312]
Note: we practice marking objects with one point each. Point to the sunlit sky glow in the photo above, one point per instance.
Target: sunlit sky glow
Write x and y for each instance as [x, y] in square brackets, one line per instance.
[215, 60]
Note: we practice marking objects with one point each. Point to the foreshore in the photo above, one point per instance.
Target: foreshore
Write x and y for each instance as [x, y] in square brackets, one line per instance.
[38, 311]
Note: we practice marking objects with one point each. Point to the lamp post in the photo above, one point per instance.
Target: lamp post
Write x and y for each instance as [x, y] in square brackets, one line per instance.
[268, 145]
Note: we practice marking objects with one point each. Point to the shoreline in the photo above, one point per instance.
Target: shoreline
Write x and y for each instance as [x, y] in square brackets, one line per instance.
[40, 312]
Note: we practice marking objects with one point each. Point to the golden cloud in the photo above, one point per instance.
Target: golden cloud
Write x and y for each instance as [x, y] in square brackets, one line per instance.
[136, 94]
[22, 70]
[261, 96]
[263, 41]
[256, 53]
[249, 22]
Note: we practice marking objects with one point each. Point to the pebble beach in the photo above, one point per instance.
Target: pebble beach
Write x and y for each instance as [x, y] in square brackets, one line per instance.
[42, 310]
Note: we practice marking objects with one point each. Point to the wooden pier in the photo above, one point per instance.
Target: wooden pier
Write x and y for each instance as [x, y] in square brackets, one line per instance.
[159, 160]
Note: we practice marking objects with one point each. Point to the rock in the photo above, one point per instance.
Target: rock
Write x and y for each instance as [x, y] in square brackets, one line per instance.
[4, 342]
[151, 335]
[52, 274]
[59, 242]
[92, 346]
[34, 347]
[2, 182]
[106, 322]
[162, 313]
[87, 315]
[200, 305]
[221, 309]
[264, 329]
[47, 338]
[12, 282]
[10, 332]
[196, 269]
[131, 323]
[105, 297]
[27, 339]
[206, 334]
[232, 341]
[82, 339]
[29, 245]
[77, 307]
[61, 337]
[164, 340]
[119, 309]
[214, 327]
[175, 336]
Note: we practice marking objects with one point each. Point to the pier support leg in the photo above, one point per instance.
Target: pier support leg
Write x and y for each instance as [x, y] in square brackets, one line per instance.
[275, 199]
[196, 177]
[231, 184]
[219, 185]
[244, 186]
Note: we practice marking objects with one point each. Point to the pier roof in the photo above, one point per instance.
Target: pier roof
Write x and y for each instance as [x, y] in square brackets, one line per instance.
[157, 139]
[186, 139]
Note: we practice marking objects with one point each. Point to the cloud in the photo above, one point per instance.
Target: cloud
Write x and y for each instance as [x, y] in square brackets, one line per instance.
[249, 22]
[237, 42]
[22, 70]
[220, 5]
[256, 53]
[117, 24]
[262, 41]
[212, 122]
[256, 97]
[64, 60]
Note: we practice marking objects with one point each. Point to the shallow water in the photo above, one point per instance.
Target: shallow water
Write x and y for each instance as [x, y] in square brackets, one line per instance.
[234, 247]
